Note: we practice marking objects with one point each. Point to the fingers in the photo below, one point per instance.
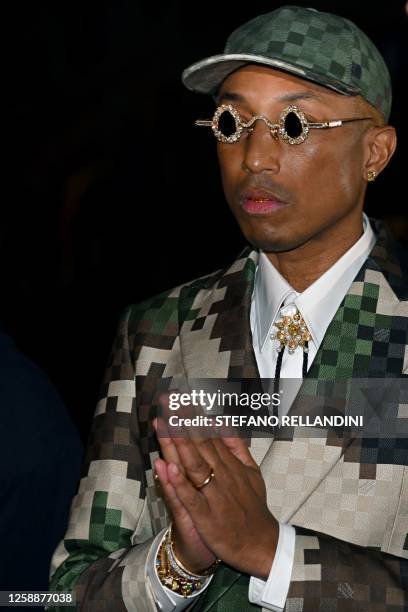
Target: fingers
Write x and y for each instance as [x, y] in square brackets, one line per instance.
[239, 448]
[197, 456]
[167, 446]
[194, 501]
[173, 503]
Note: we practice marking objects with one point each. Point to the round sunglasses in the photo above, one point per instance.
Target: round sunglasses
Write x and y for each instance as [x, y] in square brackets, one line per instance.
[293, 126]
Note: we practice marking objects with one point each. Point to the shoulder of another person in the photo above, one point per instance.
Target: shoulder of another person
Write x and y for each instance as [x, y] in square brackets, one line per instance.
[33, 419]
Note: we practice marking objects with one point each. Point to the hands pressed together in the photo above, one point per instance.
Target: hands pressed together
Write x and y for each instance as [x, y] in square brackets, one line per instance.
[228, 517]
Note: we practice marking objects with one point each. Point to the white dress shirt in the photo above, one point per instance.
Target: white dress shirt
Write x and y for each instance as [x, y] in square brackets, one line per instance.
[318, 304]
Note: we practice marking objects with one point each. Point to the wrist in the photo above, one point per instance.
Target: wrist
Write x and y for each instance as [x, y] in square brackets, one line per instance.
[263, 554]
[188, 555]
[189, 566]
[173, 575]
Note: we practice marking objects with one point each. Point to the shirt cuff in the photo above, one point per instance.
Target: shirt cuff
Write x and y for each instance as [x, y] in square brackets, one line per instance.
[272, 594]
[167, 600]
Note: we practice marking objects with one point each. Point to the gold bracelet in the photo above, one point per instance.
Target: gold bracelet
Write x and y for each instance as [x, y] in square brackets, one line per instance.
[204, 573]
[170, 575]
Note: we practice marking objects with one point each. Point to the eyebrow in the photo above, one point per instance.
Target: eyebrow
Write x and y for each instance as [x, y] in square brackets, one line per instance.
[300, 95]
[231, 96]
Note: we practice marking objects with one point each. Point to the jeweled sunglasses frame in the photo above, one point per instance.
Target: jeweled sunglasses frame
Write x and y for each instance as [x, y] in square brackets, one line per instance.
[277, 129]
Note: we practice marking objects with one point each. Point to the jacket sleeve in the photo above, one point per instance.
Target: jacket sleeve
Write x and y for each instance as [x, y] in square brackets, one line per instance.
[330, 574]
[111, 528]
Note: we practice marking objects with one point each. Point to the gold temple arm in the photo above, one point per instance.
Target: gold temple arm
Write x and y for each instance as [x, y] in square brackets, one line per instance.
[336, 123]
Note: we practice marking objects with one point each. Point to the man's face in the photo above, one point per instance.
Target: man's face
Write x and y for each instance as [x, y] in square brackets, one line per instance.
[284, 196]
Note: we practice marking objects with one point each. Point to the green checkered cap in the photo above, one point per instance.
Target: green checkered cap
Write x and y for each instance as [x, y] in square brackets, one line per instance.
[320, 47]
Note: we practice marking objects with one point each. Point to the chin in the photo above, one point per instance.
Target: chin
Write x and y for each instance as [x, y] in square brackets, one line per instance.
[272, 247]
[273, 243]
[272, 233]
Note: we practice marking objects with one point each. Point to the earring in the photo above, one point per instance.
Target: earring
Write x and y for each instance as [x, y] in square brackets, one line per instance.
[371, 176]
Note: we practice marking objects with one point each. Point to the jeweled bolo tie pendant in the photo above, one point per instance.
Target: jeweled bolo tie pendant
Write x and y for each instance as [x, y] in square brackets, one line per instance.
[292, 332]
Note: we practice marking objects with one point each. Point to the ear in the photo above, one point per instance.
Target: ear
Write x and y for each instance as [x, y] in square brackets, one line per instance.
[380, 146]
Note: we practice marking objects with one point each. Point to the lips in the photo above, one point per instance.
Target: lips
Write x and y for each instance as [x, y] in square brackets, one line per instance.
[259, 202]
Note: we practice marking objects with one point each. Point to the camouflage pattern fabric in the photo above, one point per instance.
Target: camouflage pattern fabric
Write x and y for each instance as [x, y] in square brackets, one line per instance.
[317, 46]
[348, 501]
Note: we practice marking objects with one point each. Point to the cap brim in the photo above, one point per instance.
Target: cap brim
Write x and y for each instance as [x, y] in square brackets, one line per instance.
[207, 75]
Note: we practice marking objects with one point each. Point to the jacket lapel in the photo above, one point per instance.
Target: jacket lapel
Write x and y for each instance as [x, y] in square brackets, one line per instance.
[216, 339]
[215, 335]
[368, 334]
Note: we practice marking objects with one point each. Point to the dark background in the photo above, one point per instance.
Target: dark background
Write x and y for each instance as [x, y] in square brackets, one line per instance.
[110, 195]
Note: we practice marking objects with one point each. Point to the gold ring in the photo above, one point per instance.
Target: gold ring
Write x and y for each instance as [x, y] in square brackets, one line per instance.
[206, 481]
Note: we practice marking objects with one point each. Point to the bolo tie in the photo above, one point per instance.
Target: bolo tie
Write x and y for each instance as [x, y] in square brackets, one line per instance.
[292, 334]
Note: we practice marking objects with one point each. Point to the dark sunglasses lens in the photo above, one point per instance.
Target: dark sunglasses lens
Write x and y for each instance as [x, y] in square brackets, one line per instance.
[293, 125]
[226, 124]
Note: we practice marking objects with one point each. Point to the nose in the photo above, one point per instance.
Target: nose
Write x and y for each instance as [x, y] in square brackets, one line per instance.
[262, 150]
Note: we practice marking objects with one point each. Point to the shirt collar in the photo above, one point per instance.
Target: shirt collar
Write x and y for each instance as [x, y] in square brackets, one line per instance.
[320, 301]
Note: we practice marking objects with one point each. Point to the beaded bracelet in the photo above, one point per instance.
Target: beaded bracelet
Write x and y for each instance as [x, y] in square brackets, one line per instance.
[202, 574]
[173, 575]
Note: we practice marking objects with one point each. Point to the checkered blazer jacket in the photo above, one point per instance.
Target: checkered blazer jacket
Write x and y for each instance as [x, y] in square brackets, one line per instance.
[348, 502]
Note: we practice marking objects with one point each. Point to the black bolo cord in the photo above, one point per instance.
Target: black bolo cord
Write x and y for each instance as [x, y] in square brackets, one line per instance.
[277, 370]
[279, 366]
[305, 354]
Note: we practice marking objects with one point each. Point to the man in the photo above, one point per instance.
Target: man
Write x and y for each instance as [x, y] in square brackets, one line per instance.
[302, 99]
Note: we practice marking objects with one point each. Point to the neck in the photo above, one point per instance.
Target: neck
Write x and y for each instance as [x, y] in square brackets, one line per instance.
[302, 266]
